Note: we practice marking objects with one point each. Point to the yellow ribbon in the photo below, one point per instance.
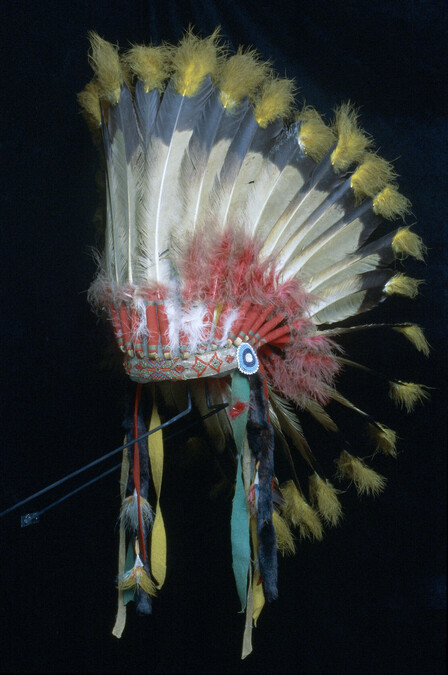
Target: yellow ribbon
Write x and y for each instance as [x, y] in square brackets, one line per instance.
[158, 537]
[120, 620]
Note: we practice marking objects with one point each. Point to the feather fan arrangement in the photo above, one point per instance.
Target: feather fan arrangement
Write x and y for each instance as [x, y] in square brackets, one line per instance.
[240, 245]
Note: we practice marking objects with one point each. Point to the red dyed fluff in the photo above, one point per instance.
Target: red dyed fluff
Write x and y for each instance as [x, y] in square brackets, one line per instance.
[226, 267]
[237, 409]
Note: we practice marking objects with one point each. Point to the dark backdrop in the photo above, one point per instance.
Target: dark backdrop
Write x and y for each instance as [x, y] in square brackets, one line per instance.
[370, 598]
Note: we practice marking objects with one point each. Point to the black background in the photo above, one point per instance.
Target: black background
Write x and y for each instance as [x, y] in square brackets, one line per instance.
[370, 597]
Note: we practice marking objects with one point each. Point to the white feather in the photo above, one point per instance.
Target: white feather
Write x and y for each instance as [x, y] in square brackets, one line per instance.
[251, 166]
[349, 296]
[335, 244]
[304, 202]
[281, 176]
[324, 216]
[205, 156]
[162, 199]
[123, 160]
[368, 258]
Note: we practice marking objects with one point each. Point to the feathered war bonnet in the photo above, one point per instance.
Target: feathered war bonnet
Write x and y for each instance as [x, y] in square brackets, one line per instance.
[238, 248]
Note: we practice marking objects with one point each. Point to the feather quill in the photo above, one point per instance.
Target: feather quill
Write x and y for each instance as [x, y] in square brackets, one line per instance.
[290, 424]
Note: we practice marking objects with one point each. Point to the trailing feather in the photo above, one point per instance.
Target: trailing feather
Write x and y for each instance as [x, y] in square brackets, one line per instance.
[386, 439]
[416, 336]
[284, 536]
[320, 415]
[366, 480]
[407, 394]
[323, 496]
[300, 514]
[290, 424]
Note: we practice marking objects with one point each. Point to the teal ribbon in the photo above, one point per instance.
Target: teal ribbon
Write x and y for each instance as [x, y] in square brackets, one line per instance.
[240, 536]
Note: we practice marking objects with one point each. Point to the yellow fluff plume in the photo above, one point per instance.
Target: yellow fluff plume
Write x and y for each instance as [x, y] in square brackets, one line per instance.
[193, 60]
[390, 204]
[105, 62]
[386, 439]
[150, 64]
[352, 141]
[371, 176]
[407, 394]
[407, 243]
[240, 76]
[400, 284]
[137, 578]
[276, 100]
[300, 514]
[89, 101]
[315, 138]
[366, 480]
[323, 496]
[415, 335]
[285, 539]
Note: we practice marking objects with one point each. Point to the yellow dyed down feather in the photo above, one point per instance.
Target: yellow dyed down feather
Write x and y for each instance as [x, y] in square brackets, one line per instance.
[352, 141]
[386, 439]
[366, 480]
[193, 60]
[89, 101]
[407, 243]
[400, 284]
[391, 204]
[323, 496]
[315, 137]
[285, 539]
[105, 62]
[416, 336]
[135, 579]
[407, 394]
[371, 176]
[240, 76]
[276, 100]
[300, 514]
[150, 64]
